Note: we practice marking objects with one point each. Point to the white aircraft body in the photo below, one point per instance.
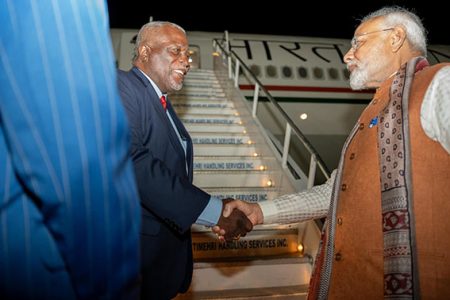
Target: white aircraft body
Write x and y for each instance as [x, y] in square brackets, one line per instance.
[306, 75]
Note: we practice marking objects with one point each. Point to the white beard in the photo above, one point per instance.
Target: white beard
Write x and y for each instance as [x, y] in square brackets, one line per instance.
[359, 78]
[365, 70]
[175, 85]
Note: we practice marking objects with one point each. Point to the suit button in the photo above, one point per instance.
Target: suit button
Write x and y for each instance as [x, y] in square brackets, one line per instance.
[343, 187]
[339, 221]
[338, 256]
[352, 155]
[361, 126]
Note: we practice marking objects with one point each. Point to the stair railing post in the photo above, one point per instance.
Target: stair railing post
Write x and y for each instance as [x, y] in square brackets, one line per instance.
[255, 100]
[287, 141]
[236, 73]
[227, 43]
[312, 171]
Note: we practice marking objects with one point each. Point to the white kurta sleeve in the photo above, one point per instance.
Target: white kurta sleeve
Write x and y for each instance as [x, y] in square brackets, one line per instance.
[306, 205]
[435, 110]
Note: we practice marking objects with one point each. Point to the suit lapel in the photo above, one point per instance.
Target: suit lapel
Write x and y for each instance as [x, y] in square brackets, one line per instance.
[156, 104]
[184, 136]
[173, 137]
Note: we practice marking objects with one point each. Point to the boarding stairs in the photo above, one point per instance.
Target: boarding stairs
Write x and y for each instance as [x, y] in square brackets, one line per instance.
[234, 157]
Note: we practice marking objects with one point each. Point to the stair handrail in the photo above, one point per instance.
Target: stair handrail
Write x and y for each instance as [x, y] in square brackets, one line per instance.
[290, 125]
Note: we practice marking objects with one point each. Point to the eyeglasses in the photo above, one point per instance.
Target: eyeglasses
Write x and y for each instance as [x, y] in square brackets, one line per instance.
[356, 44]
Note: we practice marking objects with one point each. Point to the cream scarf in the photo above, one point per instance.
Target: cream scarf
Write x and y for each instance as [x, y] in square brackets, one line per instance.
[401, 278]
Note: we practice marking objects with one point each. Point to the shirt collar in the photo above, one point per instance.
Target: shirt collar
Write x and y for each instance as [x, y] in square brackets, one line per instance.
[155, 87]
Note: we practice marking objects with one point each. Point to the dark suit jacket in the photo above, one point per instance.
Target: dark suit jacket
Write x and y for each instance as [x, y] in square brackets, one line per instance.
[170, 203]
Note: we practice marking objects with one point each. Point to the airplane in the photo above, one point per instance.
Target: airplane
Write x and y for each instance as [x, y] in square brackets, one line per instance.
[306, 75]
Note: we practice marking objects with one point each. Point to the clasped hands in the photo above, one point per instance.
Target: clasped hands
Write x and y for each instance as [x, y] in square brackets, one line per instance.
[237, 218]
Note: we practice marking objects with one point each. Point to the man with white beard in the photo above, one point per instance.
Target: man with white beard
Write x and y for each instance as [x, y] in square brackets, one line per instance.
[387, 232]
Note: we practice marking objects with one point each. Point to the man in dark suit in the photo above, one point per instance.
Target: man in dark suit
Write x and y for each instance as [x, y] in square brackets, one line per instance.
[162, 155]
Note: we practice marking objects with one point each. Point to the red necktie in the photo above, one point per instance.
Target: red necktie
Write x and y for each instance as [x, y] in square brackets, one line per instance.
[163, 102]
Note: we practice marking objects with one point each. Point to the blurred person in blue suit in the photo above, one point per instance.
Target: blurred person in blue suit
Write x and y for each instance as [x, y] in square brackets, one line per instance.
[69, 210]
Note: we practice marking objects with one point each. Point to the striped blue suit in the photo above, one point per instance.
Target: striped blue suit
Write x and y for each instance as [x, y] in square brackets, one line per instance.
[69, 211]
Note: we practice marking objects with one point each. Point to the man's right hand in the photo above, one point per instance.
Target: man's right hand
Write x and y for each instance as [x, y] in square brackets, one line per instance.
[251, 210]
[234, 224]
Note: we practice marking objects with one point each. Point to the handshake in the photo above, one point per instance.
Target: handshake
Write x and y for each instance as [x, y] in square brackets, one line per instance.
[237, 218]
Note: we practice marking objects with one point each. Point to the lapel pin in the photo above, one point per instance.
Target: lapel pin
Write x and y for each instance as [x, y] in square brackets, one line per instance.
[373, 122]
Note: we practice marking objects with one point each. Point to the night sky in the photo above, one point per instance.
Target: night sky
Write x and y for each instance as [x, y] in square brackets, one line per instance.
[312, 18]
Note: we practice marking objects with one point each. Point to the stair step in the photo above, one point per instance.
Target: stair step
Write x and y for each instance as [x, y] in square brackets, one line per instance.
[192, 100]
[178, 100]
[214, 179]
[201, 92]
[227, 163]
[208, 109]
[263, 242]
[215, 128]
[221, 139]
[204, 88]
[202, 78]
[201, 84]
[201, 75]
[226, 150]
[251, 279]
[201, 95]
[211, 119]
[202, 71]
[260, 242]
[243, 193]
[229, 150]
[298, 292]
